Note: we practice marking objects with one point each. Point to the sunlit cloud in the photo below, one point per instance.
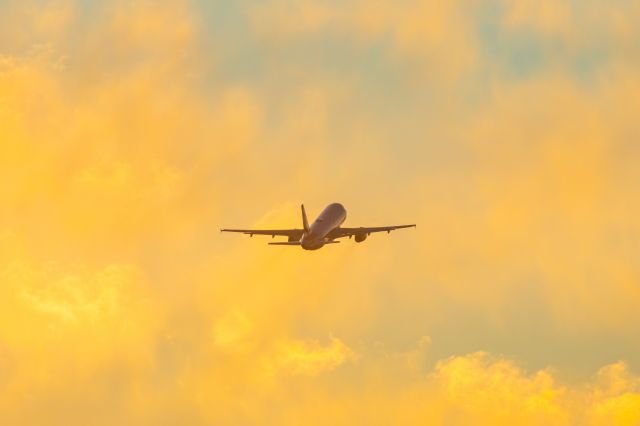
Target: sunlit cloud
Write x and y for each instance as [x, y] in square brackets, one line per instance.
[130, 133]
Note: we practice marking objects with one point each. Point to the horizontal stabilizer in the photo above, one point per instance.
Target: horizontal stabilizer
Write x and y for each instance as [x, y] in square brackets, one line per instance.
[286, 243]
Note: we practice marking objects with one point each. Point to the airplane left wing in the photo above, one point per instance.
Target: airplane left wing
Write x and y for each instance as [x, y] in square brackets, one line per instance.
[293, 234]
[349, 232]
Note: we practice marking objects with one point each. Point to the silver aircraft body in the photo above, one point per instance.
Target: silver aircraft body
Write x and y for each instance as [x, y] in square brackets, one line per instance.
[326, 229]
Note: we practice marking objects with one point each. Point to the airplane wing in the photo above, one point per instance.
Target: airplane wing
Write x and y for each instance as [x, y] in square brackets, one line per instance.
[293, 234]
[349, 232]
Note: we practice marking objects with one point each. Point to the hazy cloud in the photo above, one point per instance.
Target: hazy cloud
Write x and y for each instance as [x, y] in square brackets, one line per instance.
[126, 143]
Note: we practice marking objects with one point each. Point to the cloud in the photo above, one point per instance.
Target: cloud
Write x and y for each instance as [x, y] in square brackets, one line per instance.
[439, 36]
[309, 358]
[126, 146]
[496, 391]
[477, 388]
[485, 389]
[568, 22]
[67, 332]
[615, 398]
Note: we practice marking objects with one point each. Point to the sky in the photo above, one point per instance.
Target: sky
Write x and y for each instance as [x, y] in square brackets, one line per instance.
[132, 131]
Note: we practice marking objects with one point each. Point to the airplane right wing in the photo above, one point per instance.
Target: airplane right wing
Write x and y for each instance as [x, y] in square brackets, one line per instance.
[292, 234]
[349, 232]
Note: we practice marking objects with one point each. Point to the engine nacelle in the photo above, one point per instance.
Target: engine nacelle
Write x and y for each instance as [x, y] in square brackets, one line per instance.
[360, 237]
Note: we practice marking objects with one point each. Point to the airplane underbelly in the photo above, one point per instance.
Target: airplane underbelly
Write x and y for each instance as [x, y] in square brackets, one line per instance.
[321, 230]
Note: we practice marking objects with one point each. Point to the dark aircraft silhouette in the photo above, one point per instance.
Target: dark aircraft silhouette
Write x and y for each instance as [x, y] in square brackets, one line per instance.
[324, 230]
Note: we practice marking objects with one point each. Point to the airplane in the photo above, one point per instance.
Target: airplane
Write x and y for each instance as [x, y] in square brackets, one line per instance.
[324, 230]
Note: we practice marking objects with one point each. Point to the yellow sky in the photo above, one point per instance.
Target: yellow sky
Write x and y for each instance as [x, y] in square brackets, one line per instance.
[130, 132]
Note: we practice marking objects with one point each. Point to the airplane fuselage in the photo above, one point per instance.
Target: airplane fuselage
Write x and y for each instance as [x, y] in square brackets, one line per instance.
[331, 218]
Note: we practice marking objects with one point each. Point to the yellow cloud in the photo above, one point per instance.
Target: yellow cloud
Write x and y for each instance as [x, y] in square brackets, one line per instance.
[309, 358]
[546, 175]
[615, 398]
[476, 388]
[550, 18]
[489, 391]
[69, 302]
[231, 330]
[123, 151]
[438, 33]
[25, 24]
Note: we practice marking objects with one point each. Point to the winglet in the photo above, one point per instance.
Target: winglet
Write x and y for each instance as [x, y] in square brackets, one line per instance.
[305, 222]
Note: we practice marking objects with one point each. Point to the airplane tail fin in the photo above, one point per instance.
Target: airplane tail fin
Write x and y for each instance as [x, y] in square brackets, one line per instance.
[305, 222]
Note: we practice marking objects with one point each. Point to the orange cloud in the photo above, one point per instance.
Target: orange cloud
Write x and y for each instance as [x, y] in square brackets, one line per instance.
[123, 150]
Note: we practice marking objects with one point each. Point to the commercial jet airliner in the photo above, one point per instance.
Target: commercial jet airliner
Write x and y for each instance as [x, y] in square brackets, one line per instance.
[324, 230]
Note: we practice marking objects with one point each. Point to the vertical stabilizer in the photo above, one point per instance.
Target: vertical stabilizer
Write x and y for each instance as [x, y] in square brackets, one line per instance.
[305, 222]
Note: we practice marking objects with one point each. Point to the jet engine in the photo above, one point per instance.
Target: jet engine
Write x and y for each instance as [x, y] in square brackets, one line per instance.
[360, 237]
